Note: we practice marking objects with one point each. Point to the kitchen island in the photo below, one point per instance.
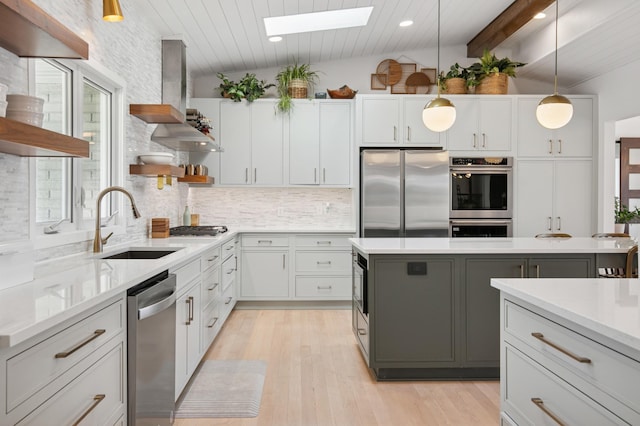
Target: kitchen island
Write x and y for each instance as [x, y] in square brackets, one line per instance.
[429, 311]
[570, 351]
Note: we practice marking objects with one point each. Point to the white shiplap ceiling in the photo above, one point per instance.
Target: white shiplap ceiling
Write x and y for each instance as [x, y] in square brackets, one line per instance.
[229, 35]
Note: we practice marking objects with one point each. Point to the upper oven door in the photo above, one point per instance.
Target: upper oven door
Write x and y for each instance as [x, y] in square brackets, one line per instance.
[481, 192]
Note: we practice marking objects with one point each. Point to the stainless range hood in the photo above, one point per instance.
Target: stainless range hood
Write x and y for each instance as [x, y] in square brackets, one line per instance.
[179, 136]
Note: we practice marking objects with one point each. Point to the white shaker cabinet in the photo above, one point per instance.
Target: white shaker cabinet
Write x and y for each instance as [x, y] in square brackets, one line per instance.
[573, 140]
[265, 267]
[554, 196]
[320, 143]
[414, 131]
[251, 135]
[482, 124]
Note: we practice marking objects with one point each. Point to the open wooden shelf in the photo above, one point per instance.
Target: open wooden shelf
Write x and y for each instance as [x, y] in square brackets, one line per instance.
[197, 179]
[156, 170]
[29, 31]
[29, 141]
[156, 113]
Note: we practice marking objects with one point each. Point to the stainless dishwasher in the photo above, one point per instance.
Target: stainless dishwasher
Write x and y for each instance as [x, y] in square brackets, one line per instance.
[151, 340]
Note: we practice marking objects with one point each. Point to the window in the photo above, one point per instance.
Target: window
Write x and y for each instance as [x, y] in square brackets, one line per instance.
[82, 102]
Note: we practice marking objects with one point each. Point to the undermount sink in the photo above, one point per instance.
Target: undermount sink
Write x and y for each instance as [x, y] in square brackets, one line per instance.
[140, 254]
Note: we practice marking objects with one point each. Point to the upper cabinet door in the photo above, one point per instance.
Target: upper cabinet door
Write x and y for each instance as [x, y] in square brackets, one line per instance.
[266, 144]
[335, 143]
[380, 121]
[573, 140]
[414, 130]
[304, 144]
[495, 124]
[235, 139]
[463, 135]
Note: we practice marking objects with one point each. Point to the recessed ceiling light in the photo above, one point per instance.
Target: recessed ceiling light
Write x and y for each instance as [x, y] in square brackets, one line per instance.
[540, 15]
[317, 21]
[275, 39]
[406, 23]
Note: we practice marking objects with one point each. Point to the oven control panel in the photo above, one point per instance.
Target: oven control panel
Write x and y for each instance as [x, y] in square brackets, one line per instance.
[480, 161]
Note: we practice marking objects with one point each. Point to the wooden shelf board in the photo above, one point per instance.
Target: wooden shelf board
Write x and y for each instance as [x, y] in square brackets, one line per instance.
[156, 170]
[29, 31]
[197, 179]
[156, 113]
[29, 141]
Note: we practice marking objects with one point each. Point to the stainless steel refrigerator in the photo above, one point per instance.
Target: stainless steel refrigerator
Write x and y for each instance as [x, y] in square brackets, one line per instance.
[404, 192]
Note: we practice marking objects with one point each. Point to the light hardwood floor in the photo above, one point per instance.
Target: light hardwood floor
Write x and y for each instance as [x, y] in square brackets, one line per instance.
[316, 377]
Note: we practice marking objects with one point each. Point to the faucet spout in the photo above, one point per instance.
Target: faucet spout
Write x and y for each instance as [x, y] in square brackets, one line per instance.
[98, 241]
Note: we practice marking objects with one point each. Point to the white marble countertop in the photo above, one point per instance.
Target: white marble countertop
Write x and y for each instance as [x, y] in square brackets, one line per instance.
[607, 306]
[68, 286]
[490, 245]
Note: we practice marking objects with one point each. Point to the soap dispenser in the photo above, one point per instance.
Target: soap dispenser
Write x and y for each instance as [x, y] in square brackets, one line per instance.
[186, 217]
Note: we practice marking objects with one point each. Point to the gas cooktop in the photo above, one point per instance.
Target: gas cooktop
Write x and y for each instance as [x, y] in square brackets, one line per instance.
[197, 230]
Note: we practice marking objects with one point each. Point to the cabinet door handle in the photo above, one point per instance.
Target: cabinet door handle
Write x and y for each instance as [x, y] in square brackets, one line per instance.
[246, 175]
[474, 140]
[325, 287]
[571, 355]
[229, 299]
[213, 287]
[191, 309]
[283, 258]
[484, 140]
[96, 400]
[362, 332]
[521, 270]
[559, 223]
[315, 174]
[323, 262]
[328, 242]
[80, 345]
[255, 175]
[549, 223]
[395, 133]
[559, 146]
[540, 404]
[550, 146]
[188, 301]
[537, 270]
[408, 133]
[210, 325]
[324, 175]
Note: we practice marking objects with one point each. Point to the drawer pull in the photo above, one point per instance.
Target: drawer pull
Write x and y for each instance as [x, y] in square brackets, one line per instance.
[215, 320]
[96, 400]
[229, 299]
[211, 259]
[521, 270]
[540, 404]
[94, 336]
[324, 287]
[213, 287]
[362, 332]
[541, 337]
[323, 242]
[326, 262]
[265, 241]
[230, 248]
[230, 271]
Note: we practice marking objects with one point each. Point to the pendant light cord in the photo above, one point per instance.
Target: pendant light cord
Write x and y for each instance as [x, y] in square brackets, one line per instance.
[438, 64]
[555, 78]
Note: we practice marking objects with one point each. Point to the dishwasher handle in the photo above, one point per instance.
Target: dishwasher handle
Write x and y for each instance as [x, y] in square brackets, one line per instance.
[166, 301]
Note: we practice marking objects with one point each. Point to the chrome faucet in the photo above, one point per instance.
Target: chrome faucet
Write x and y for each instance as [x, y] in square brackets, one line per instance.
[98, 241]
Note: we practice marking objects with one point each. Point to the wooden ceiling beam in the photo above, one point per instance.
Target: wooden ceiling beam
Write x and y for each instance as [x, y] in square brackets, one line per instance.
[508, 22]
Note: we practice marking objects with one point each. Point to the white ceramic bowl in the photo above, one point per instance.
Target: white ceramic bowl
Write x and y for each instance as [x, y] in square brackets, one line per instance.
[3, 108]
[32, 118]
[25, 103]
[156, 158]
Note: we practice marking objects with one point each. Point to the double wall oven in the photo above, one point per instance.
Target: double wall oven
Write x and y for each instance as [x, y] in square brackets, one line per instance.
[480, 197]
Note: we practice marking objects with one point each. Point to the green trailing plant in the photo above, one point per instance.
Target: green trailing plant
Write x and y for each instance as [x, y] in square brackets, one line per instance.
[293, 72]
[249, 87]
[455, 71]
[623, 214]
[490, 64]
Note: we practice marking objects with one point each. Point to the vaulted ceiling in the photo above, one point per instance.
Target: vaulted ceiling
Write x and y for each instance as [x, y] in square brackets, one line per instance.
[229, 35]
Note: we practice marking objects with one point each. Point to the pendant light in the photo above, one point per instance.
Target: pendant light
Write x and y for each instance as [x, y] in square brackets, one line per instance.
[555, 110]
[111, 11]
[439, 114]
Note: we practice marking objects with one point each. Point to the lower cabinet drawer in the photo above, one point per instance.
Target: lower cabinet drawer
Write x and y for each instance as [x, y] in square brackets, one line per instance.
[210, 286]
[323, 261]
[186, 274]
[211, 324]
[534, 395]
[227, 302]
[265, 241]
[228, 272]
[362, 332]
[30, 370]
[93, 398]
[607, 369]
[324, 287]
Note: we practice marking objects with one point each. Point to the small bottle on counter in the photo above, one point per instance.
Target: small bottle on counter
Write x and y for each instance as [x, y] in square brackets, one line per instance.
[186, 217]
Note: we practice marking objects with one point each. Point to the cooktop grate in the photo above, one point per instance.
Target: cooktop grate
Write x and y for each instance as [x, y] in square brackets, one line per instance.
[197, 230]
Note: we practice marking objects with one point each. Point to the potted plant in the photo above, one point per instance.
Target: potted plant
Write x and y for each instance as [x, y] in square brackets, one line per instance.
[490, 74]
[293, 82]
[623, 216]
[249, 87]
[455, 80]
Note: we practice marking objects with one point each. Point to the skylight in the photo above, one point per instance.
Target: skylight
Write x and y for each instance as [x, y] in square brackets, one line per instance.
[317, 21]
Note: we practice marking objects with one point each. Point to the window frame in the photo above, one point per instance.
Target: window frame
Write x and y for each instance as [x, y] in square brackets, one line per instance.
[83, 230]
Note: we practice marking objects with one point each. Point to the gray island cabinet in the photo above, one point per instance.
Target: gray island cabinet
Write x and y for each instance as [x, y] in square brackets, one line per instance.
[432, 313]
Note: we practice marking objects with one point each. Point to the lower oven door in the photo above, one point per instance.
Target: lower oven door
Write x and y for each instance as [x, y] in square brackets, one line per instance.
[479, 228]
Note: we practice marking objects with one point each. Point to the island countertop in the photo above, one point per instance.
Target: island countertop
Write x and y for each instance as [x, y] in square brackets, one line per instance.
[491, 245]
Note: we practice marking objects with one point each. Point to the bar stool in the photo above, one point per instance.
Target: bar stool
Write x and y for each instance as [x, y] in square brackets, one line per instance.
[554, 235]
[611, 235]
[630, 269]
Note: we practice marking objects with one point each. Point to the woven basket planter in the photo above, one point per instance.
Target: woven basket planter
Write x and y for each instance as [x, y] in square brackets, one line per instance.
[455, 86]
[297, 88]
[493, 84]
